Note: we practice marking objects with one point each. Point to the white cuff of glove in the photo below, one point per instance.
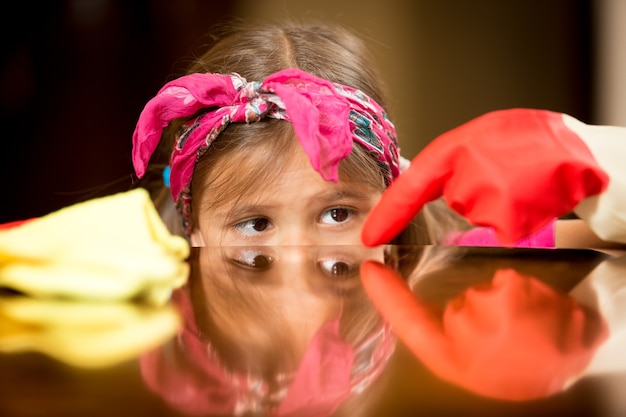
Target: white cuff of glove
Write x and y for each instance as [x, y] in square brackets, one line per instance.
[605, 213]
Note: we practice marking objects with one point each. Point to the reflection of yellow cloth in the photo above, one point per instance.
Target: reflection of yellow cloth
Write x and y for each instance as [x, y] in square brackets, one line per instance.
[111, 248]
[83, 334]
[93, 281]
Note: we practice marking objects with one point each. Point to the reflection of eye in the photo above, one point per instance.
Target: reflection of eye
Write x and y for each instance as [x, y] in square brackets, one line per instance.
[336, 268]
[254, 226]
[253, 259]
[336, 215]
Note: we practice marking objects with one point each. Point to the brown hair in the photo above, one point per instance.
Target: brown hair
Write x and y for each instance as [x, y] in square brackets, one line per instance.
[255, 51]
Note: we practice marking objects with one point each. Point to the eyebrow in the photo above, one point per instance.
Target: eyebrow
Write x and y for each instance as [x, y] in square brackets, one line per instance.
[244, 210]
[343, 195]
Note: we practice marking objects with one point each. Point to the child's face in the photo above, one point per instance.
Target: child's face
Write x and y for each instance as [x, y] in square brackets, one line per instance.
[297, 208]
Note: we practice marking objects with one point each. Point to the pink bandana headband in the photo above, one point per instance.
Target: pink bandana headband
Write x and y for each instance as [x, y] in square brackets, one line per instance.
[327, 118]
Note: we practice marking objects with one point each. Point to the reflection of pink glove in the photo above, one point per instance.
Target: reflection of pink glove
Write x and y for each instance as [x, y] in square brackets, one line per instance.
[514, 338]
[513, 170]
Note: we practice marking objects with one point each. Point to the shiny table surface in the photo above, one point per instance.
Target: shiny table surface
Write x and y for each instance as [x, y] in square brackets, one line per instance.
[291, 330]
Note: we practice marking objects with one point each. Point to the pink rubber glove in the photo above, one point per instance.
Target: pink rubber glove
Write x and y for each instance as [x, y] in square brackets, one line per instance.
[512, 170]
[513, 339]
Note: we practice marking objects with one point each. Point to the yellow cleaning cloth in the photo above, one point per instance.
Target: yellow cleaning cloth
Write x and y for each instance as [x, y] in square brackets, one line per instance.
[93, 281]
[110, 248]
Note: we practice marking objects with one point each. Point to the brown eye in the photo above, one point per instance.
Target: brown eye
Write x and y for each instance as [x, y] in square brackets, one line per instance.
[260, 224]
[254, 226]
[336, 268]
[340, 269]
[252, 259]
[339, 214]
[260, 261]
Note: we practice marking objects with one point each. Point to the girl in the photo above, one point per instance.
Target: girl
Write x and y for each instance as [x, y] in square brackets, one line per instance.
[239, 173]
[279, 135]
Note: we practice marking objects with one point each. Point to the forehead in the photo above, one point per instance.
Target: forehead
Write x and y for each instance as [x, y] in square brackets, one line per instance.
[273, 164]
[293, 179]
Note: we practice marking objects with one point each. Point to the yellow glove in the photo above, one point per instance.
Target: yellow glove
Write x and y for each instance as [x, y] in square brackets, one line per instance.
[110, 248]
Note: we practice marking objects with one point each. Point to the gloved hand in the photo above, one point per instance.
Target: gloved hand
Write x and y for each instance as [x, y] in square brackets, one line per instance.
[513, 339]
[515, 171]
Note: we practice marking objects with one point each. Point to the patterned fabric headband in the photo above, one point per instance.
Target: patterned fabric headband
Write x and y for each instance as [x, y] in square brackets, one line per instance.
[327, 118]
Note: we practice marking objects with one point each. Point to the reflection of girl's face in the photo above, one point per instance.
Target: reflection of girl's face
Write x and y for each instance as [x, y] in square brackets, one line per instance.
[299, 208]
[305, 286]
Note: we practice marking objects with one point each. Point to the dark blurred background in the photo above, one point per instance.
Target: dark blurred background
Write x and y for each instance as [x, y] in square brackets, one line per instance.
[75, 74]
[74, 77]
